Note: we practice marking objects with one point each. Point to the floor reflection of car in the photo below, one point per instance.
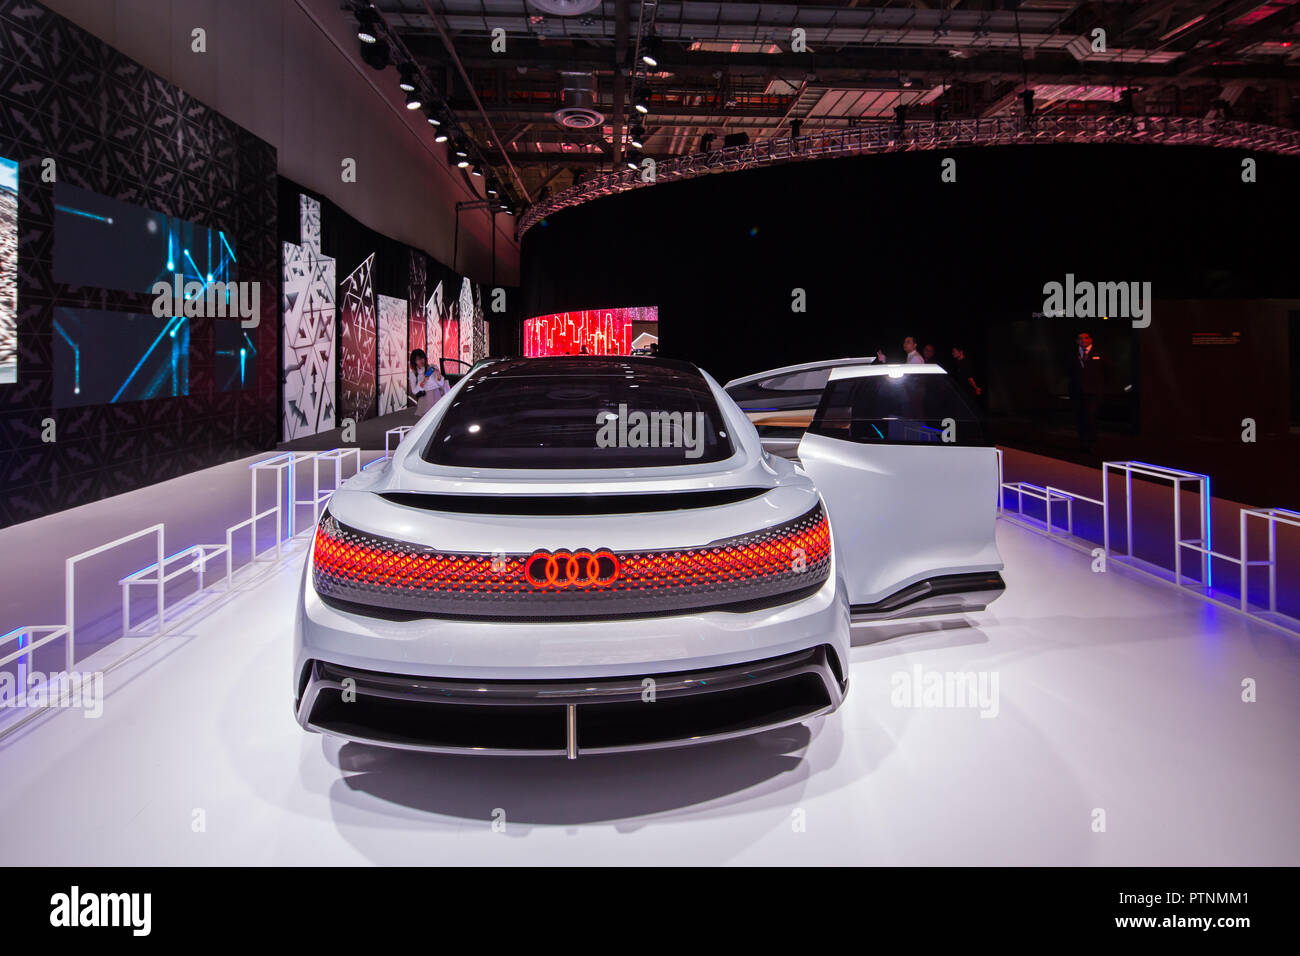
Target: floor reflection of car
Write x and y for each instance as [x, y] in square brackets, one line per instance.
[907, 474]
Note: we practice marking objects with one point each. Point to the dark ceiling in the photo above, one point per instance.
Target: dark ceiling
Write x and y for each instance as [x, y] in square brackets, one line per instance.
[502, 69]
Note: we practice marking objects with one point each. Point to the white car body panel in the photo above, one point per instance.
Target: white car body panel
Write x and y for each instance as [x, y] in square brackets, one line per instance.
[511, 653]
[897, 515]
[903, 514]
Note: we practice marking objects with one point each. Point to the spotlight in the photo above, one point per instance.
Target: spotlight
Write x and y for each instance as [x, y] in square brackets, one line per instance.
[634, 158]
[492, 188]
[407, 83]
[434, 121]
[650, 51]
[413, 102]
[641, 102]
[476, 170]
[376, 55]
[461, 149]
[637, 136]
[462, 163]
[442, 137]
[367, 25]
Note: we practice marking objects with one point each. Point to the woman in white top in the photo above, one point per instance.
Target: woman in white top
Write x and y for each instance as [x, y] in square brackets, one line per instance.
[426, 384]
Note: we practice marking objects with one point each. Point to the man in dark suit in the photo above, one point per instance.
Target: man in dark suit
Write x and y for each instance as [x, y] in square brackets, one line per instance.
[1089, 370]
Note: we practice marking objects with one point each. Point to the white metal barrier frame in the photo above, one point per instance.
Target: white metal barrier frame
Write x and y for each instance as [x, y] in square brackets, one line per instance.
[193, 559]
[1177, 477]
[400, 431]
[1273, 517]
[1202, 545]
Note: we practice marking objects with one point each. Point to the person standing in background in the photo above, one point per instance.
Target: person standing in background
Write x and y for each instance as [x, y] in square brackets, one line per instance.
[960, 369]
[1088, 370]
[913, 357]
[927, 353]
[425, 384]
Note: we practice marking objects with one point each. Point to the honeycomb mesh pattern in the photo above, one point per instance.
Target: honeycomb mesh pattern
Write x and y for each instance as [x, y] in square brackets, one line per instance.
[356, 567]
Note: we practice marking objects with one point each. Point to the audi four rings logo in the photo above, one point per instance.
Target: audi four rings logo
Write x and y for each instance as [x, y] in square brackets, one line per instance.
[571, 569]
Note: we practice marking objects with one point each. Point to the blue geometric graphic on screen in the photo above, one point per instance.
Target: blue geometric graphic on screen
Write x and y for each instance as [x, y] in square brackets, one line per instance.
[109, 244]
[105, 357]
[236, 357]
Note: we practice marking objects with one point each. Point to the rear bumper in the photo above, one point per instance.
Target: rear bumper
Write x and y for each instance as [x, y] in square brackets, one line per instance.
[945, 594]
[569, 717]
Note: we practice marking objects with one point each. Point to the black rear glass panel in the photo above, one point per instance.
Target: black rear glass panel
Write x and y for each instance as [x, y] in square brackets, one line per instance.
[576, 412]
[903, 410]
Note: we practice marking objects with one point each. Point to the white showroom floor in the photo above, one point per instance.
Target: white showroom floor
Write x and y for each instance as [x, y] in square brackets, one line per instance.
[1115, 694]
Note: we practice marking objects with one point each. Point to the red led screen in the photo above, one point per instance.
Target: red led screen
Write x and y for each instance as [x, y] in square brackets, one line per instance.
[590, 332]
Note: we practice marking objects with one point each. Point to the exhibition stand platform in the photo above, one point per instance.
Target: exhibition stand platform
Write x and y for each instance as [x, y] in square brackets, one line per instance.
[1111, 719]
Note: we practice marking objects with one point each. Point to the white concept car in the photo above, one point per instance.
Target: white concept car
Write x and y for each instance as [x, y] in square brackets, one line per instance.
[592, 554]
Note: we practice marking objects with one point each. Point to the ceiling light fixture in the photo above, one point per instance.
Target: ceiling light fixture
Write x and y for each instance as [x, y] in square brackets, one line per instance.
[367, 25]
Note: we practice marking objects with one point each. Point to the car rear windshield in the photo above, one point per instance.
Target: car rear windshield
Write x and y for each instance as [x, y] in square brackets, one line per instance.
[616, 412]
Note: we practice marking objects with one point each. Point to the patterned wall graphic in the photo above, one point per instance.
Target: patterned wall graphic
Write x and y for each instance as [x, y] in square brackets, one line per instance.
[116, 129]
[465, 312]
[396, 298]
[435, 313]
[8, 271]
[392, 354]
[357, 344]
[307, 305]
[589, 332]
[480, 344]
[415, 334]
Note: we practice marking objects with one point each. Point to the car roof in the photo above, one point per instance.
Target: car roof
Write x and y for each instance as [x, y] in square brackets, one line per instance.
[805, 367]
[650, 366]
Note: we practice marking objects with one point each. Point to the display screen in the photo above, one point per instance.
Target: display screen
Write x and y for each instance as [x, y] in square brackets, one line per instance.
[8, 271]
[109, 244]
[105, 357]
[236, 359]
[592, 332]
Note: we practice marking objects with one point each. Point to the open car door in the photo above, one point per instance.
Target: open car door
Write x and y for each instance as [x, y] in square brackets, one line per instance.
[910, 485]
[781, 402]
[454, 369]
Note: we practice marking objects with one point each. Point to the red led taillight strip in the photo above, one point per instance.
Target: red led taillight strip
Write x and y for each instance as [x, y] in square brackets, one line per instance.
[354, 566]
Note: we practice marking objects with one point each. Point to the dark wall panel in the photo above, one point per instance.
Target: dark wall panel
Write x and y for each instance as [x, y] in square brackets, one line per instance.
[116, 129]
